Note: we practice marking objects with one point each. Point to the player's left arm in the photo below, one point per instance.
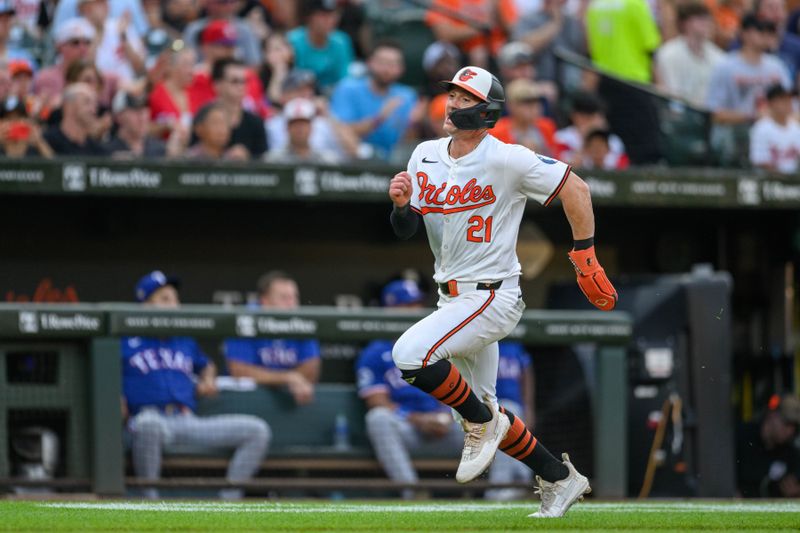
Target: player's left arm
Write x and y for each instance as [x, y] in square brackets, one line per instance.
[310, 369]
[577, 202]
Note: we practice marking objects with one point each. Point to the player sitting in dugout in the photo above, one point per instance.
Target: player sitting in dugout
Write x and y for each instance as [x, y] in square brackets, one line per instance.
[158, 382]
[401, 418]
[294, 363]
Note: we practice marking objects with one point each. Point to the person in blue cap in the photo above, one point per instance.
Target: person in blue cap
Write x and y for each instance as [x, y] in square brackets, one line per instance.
[161, 378]
[401, 418]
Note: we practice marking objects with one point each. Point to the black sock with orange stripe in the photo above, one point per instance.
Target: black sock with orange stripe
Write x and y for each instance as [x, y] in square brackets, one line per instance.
[443, 381]
[523, 446]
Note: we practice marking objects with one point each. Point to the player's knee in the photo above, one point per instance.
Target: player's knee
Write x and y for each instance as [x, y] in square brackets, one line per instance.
[408, 353]
[260, 432]
[147, 426]
[379, 419]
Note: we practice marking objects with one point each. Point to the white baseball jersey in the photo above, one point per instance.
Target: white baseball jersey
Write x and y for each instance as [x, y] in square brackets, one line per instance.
[776, 145]
[473, 205]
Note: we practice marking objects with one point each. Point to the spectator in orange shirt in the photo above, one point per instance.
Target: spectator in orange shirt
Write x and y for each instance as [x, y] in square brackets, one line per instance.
[455, 21]
[525, 124]
[728, 17]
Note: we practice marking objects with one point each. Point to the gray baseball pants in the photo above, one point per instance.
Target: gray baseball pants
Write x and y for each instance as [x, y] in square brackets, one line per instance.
[152, 430]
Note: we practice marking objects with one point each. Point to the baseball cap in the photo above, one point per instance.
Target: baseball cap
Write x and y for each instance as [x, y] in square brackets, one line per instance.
[437, 51]
[401, 292]
[153, 281]
[523, 90]
[124, 100]
[7, 7]
[297, 78]
[19, 66]
[219, 32]
[299, 109]
[474, 80]
[514, 54]
[321, 5]
[74, 28]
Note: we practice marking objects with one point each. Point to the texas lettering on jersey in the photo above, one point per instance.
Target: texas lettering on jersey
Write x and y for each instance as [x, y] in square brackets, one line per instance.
[471, 196]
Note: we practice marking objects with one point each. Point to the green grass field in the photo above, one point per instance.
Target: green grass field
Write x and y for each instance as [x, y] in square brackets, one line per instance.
[21, 516]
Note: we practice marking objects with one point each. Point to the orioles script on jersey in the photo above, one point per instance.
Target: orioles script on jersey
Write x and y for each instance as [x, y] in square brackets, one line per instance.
[471, 196]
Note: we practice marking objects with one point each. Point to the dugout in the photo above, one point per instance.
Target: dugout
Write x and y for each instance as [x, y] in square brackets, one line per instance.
[84, 339]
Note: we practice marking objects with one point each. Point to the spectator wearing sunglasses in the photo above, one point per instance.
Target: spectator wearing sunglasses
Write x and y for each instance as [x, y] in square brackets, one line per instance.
[73, 40]
[229, 77]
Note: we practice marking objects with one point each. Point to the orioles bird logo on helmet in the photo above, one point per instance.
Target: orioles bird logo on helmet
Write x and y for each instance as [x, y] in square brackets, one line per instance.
[467, 75]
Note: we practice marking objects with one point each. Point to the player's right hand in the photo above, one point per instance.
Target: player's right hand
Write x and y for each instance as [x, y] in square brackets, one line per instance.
[300, 388]
[400, 189]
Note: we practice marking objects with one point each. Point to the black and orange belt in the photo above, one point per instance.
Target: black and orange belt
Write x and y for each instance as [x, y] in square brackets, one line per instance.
[454, 288]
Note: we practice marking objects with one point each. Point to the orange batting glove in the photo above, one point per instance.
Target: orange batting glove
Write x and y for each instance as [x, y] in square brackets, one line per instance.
[592, 279]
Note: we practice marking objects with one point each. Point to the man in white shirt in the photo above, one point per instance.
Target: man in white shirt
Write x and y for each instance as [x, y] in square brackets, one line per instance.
[119, 50]
[684, 64]
[775, 138]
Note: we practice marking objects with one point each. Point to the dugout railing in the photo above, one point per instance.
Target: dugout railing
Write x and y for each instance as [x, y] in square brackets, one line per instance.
[61, 365]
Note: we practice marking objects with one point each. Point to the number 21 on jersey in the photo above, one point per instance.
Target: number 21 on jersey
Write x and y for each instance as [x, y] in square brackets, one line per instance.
[480, 229]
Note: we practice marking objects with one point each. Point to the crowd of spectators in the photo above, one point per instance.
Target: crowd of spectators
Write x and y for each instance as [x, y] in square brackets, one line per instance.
[316, 81]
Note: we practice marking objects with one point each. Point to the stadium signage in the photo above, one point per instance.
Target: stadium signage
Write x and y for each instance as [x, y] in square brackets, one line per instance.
[588, 330]
[683, 188]
[169, 322]
[22, 176]
[387, 326]
[601, 188]
[291, 325]
[227, 179]
[781, 192]
[33, 322]
[313, 182]
[334, 181]
[131, 178]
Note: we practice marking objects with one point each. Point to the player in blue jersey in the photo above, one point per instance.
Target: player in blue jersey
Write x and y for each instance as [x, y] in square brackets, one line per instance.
[515, 393]
[293, 363]
[160, 378]
[401, 418]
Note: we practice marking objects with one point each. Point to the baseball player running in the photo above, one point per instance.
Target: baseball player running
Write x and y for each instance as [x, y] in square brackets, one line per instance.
[470, 189]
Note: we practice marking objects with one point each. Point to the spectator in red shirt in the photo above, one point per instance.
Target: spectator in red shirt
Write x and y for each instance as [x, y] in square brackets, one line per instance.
[171, 104]
[525, 124]
[218, 41]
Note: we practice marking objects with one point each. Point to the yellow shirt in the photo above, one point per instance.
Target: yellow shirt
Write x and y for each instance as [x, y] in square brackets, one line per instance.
[622, 36]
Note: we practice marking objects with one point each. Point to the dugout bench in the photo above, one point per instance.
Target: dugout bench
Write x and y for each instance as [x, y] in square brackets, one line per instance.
[93, 445]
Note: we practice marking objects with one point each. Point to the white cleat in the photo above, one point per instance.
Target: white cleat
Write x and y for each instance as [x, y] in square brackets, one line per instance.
[558, 497]
[480, 444]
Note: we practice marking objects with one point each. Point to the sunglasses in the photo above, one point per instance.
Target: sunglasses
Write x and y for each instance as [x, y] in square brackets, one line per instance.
[79, 42]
